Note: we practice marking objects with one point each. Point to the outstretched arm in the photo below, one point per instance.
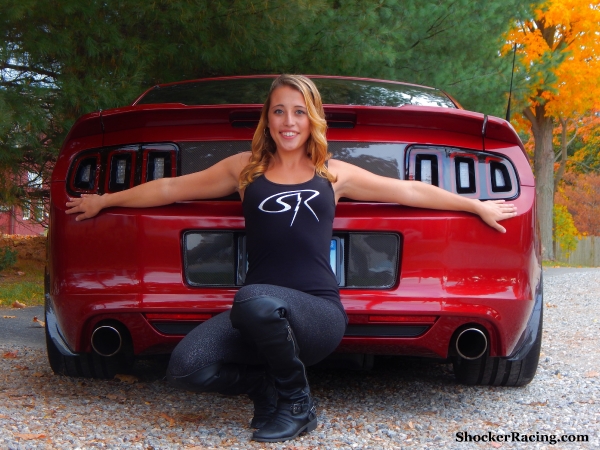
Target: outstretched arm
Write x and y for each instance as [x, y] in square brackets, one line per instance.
[216, 181]
[359, 184]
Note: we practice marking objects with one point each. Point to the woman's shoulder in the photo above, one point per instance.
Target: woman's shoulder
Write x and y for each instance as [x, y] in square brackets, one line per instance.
[238, 162]
[337, 167]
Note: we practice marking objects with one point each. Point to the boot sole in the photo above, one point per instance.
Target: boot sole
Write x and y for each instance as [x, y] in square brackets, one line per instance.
[310, 426]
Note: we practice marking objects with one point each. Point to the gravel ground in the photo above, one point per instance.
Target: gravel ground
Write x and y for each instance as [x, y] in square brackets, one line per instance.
[401, 403]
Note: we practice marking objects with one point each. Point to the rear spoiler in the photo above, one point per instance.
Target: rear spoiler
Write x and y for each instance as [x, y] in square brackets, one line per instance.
[338, 116]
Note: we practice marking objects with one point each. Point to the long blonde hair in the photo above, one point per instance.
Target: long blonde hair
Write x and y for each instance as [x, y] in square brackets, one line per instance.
[263, 146]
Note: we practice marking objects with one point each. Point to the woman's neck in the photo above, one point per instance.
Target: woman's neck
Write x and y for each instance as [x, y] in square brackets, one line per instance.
[290, 168]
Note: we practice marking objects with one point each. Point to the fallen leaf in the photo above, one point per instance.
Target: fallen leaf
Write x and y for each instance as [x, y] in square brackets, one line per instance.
[411, 426]
[591, 374]
[19, 367]
[129, 379]
[18, 304]
[167, 418]
[41, 322]
[29, 436]
[496, 444]
[537, 404]
[10, 355]
[9, 317]
[550, 305]
[38, 375]
[20, 273]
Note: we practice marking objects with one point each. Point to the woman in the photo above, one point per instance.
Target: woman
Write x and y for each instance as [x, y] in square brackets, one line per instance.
[288, 314]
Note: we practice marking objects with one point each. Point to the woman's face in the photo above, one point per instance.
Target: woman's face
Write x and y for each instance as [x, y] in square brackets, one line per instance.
[289, 124]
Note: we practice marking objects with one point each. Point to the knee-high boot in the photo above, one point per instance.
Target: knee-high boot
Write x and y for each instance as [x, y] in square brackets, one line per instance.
[234, 379]
[263, 320]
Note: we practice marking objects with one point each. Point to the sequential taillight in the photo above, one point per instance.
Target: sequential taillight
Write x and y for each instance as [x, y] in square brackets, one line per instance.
[427, 169]
[465, 175]
[121, 170]
[85, 175]
[159, 162]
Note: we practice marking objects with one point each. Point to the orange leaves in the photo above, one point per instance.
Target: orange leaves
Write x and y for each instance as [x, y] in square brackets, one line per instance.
[580, 193]
[560, 51]
[29, 436]
[11, 354]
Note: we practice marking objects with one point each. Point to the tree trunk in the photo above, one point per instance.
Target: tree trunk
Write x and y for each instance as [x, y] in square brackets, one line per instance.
[543, 169]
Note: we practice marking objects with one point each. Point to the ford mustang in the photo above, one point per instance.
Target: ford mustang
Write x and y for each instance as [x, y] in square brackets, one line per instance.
[132, 282]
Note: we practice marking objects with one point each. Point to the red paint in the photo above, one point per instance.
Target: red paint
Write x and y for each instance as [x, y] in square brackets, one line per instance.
[126, 264]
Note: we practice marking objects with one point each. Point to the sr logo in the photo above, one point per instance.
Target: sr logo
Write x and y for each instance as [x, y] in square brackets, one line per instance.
[276, 204]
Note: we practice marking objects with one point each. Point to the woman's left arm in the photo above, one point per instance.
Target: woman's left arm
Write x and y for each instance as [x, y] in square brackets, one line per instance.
[359, 184]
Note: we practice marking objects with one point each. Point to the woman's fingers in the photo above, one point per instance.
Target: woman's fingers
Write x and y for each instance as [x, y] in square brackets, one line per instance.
[86, 206]
[497, 210]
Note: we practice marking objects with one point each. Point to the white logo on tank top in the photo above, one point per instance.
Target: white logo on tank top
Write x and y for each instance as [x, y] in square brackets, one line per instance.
[269, 204]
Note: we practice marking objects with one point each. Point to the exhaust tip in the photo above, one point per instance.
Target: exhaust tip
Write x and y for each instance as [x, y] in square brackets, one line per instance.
[106, 340]
[471, 343]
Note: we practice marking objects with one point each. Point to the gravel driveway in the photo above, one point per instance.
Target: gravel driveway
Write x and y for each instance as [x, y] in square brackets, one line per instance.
[401, 403]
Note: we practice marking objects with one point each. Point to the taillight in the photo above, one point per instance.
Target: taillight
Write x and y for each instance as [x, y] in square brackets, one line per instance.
[115, 169]
[121, 165]
[158, 162]
[427, 169]
[464, 170]
[474, 174]
[500, 177]
[84, 175]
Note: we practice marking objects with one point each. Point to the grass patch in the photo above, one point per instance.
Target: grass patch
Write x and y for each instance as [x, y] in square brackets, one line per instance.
[551, 264]
[24, 281]
[28, 292]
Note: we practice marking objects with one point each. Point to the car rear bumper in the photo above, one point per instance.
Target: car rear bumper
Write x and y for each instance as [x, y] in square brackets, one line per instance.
[510, 325]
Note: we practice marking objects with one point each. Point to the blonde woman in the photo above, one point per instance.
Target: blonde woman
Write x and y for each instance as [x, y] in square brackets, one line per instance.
[288, 315]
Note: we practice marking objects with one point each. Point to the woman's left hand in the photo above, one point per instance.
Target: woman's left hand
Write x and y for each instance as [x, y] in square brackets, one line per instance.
[493, 211]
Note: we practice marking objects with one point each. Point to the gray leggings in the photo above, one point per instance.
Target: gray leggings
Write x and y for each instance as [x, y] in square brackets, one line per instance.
[318, 325]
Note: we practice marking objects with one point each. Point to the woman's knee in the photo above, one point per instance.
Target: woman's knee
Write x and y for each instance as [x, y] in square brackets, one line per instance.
[256, 311]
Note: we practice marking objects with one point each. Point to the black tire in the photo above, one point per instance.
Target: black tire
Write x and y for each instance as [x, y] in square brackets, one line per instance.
[89, 365]
[493, 371]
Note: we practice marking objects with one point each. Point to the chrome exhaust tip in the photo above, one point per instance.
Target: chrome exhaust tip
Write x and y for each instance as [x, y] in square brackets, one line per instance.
[471, 343]
[106, 340]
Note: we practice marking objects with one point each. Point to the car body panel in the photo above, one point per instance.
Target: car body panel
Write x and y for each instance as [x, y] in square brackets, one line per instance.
[453, 269]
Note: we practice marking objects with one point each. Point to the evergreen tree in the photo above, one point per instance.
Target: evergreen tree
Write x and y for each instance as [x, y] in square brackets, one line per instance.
[61, 59]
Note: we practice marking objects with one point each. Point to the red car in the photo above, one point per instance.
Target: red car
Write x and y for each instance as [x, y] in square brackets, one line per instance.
[133, 282]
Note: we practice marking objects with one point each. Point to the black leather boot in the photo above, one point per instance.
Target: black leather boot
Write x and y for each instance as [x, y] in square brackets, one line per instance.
[289, 421]
[263, 321]
[264, 397]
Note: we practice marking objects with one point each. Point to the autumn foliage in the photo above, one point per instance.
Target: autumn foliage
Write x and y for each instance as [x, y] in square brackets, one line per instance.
[580, 193]
[560, 52]
[558, 84]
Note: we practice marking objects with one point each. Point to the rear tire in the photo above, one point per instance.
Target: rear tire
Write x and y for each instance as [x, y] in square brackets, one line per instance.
[494, 371]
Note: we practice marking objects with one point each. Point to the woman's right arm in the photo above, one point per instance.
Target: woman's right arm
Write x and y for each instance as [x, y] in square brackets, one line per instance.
[216, 181]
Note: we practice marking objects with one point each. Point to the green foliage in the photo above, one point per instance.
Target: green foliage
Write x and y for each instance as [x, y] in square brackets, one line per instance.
[27, 292]
[61, 59]
[565, 232]
[8, 258]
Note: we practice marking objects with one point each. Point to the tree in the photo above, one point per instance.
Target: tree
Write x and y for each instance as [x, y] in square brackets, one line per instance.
[61, 59]
[586, 148]
[580, 194]
[560, 82]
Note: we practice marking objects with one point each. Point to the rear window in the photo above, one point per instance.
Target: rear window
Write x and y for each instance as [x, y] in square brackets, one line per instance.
[384, 159]
[334, 91]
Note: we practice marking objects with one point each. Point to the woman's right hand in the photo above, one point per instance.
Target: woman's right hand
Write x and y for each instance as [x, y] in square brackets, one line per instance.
[88, 206]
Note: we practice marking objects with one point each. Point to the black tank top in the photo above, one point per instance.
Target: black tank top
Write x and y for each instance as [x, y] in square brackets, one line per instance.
[288, 235]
